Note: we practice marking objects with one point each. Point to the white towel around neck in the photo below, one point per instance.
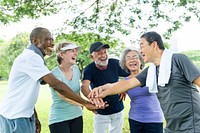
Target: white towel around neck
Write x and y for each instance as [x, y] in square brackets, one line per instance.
[164, 72]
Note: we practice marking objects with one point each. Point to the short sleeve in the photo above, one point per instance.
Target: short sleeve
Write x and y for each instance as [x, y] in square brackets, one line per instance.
[142, 76]
[189, 70]
[35, 68]
[87, 74]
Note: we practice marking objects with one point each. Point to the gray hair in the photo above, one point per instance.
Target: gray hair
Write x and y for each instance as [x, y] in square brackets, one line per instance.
[122, 61]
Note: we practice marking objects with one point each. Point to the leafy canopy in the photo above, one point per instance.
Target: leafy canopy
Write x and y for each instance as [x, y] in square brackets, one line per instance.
[106, 16]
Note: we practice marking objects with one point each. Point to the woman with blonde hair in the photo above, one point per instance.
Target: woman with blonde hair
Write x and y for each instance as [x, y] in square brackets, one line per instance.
[65, 114]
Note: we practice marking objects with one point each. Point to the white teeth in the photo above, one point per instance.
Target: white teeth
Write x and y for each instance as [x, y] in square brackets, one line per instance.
[133, 64]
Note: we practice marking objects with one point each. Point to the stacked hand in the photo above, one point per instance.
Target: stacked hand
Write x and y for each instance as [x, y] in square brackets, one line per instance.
[100, 92]
[96, 93]
[98, 102]
[96, 96]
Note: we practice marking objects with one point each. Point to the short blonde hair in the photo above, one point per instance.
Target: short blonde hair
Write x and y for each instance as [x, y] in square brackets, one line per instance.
[58, 51]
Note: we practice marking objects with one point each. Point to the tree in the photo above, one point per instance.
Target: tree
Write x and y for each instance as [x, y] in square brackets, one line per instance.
[15, 10]
[11, 51]
[125, 16]
[103, 19]
[107, 16]
[84, 41]
[13, 48]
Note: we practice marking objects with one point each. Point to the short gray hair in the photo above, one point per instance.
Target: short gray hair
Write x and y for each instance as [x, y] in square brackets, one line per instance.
[122, 61]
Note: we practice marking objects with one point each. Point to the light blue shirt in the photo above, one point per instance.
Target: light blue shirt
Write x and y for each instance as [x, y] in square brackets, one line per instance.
[62, 110]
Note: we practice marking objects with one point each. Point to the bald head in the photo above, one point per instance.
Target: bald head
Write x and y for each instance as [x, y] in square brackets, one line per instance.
[38, 33]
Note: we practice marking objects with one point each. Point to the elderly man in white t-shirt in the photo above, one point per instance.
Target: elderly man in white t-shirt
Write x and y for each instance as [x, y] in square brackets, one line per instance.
[28, 71]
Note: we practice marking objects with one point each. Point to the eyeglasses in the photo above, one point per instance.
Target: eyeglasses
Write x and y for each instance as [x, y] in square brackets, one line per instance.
[128, 58]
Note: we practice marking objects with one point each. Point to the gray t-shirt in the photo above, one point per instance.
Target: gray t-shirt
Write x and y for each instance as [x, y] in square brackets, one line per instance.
[179, 99]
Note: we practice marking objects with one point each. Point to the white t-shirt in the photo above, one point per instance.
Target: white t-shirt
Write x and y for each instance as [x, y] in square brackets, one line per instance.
[23, 85]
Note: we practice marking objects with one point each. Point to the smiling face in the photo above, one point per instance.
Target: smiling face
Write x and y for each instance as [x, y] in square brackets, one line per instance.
[43, 39]
[132, 61]
[46, 43]
[147, 50]
[69, 56]
[100, 57]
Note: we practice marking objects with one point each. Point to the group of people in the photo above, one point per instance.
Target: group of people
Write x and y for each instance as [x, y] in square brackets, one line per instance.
[164, 89]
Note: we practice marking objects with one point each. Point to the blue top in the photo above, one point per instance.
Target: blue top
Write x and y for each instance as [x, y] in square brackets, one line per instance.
[144, 106]
[99, 77]
[62, 110]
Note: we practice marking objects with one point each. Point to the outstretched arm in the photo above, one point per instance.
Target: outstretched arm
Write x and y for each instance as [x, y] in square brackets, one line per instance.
[115, 88]
[63, 89]
[69, 100]
[85, 89]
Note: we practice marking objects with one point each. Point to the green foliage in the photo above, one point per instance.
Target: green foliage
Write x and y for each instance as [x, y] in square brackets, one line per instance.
[43, 107]
[106, 17]
[110, 17]
[21, 41]
[10, 52]
[2, 44]
[15, 10]
[85, 40]
[194, 55]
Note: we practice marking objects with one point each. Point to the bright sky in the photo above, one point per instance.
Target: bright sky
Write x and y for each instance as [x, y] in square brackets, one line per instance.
[186, 38]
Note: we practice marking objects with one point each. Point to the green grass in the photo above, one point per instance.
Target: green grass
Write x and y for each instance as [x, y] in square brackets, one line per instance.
[43, 107]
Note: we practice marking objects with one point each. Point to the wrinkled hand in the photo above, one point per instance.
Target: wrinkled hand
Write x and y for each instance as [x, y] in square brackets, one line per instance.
[37, 125]
[122, 96]
[98, 102]
[95, 92]
[100, 91]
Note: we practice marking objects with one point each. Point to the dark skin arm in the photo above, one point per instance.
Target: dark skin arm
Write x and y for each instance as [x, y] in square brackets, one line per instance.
[37, 122]
[63, 89]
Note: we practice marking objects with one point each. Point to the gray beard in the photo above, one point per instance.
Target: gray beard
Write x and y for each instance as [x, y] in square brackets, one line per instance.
[102, 64]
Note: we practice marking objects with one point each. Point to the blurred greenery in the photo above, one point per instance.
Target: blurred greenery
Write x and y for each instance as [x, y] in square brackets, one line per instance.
[105, 17]
[17, 44]
[194, 55]
[43, 106]
[11, 49]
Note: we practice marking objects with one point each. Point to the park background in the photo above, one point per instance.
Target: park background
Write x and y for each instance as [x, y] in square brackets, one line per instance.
[116, 22]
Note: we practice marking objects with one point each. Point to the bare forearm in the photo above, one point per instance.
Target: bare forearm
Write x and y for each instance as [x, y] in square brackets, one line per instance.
[122, 86]
[64, 90]
[69, 100]
[85, 90]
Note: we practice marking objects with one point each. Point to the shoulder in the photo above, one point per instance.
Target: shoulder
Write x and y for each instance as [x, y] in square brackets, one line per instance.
[30, 58]
[30, 54]
[113, 61]
[178, 57]
[55, 70]
[75, 67]
[90, 66]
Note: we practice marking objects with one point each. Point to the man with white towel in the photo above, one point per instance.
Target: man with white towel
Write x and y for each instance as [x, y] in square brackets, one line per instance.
[172, 77]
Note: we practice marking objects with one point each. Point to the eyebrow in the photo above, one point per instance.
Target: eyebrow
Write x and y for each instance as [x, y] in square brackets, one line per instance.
[132, 56]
